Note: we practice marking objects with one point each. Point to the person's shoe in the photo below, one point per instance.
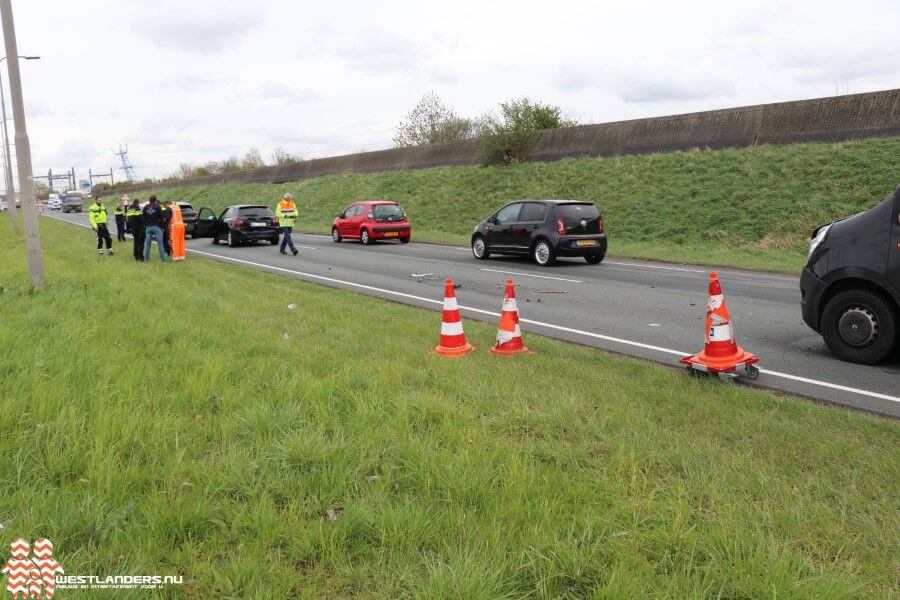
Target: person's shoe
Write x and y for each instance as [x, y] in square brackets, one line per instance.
[109, 251]
[100, 252]
[295, 251]
[282, 252]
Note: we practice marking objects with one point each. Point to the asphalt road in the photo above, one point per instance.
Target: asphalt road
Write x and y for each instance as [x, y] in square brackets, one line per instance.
[645, 309]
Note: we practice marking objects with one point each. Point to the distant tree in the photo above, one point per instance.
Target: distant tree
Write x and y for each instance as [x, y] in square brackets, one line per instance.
[509, 137]
[432, 122]
[41, 189]
[280, 156]
[252, 160]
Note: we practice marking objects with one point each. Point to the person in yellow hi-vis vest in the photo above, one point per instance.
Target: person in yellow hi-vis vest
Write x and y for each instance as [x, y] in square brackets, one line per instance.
[286, 212]
[99, 220]
[176, 231]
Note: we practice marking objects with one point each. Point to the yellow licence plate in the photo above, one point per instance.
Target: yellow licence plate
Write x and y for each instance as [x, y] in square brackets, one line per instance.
[586, 243]
[391, 234]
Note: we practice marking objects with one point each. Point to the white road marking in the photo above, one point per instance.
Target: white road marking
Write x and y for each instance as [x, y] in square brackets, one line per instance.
[530, 275]
[678, 353]
[621, 264]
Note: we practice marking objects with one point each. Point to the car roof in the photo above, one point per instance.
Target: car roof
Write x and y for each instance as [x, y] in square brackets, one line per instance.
[551, 201]
[373, 202]
[248, 206]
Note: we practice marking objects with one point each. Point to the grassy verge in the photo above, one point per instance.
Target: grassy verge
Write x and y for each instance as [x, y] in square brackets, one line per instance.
[180, 418]
[751, 208]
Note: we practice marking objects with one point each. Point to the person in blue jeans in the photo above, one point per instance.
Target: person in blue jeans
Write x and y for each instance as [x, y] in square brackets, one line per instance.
[153, 228]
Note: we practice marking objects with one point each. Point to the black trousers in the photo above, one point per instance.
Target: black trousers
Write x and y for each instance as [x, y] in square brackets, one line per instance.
[138, 244]
[167, 243]
[120, 228]
[103, 234]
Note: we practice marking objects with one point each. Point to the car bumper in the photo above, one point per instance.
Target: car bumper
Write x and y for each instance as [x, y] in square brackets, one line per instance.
[811, 288]
[390, 231]
[189, 226]
[250, 235]
[569, 245]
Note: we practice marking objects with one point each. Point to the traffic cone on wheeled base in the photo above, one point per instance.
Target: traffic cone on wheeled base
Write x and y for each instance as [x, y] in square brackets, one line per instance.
[721, 354]
[453, 340]
[509, 336]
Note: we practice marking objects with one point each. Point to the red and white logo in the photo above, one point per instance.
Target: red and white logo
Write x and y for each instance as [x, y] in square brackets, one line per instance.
[31, 576]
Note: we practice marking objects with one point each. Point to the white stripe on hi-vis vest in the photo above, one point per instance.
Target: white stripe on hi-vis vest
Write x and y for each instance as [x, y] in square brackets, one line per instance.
[509, 305]
[720, 333]
[450, 304]
[452, 328]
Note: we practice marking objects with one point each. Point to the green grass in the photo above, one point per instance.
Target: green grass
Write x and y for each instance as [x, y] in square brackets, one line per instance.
[752, 208]
[180, 418]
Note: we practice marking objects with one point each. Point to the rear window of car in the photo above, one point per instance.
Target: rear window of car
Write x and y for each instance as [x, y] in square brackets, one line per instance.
[185, 205]
[576, 212]
[255, 211]
[387, 211]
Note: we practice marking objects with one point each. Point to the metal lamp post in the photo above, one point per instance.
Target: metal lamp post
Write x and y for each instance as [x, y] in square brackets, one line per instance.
[23, 151]
[7, 165]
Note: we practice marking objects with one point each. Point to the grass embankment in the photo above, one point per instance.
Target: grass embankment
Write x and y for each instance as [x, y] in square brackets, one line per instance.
[752, 208]
[180, 418]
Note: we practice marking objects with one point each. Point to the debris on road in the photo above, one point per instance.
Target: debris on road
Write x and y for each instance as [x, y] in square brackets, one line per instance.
[549, 291]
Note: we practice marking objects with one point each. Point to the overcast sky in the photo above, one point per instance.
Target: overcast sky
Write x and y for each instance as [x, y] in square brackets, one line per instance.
[195, 80]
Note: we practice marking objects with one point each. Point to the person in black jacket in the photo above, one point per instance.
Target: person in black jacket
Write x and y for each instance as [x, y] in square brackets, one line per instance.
[154, 219]
[167, 217]
[135, 220]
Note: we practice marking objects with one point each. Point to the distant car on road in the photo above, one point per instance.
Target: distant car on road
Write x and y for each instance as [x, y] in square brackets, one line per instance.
[238, 224]
[72, 202]
[189, 216]
[372, 220]
[3, 205]
[544, 230]
[54, 203]
[850, 287]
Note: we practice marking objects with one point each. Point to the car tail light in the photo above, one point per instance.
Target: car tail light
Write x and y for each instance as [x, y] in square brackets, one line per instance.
[238, 223]
[276, 223]
[600, 224]
[560, 227]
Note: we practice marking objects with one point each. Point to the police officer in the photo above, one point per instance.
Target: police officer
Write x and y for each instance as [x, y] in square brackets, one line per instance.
[119, 214]
[166, 218]
[286, 212]
[99, 220]
[135, 219]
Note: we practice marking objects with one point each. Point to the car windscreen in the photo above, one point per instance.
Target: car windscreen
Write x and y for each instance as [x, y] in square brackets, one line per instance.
[257, 212]
[579, 218]
[387, 212]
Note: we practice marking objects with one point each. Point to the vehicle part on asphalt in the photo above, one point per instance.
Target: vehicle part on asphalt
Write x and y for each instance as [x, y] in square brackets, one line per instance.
[720, 355]
[549, 291]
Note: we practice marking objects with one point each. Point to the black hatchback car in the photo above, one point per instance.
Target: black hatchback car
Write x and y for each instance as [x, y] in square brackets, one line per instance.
[544, 230]
[850, 287]
[238, 224]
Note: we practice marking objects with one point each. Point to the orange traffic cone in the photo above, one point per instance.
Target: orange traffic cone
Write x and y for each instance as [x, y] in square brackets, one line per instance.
[509, 336]
[453, 340]
[720, 354]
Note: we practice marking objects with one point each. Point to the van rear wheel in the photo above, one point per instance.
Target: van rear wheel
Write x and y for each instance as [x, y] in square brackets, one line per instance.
[859, 326]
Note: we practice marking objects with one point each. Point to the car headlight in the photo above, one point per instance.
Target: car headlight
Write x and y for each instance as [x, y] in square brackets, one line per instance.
[818, 238]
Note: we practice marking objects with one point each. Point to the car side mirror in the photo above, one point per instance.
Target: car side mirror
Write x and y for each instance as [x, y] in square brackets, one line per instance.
[341, 216]
[494, 221]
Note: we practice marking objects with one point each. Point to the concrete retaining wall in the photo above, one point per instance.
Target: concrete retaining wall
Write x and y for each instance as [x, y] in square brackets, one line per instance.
[832, 119]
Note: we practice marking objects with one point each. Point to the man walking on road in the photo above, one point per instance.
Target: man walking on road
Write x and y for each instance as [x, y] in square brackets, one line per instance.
[153, 229]
[135, 220]
[286, 212]
[99, 220]
[119, 213]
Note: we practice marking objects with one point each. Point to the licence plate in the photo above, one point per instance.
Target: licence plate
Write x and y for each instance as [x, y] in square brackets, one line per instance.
[391, 234]
[257, 224]
[586, 243]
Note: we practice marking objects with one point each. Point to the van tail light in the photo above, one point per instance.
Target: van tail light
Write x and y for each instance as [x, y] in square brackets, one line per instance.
[560, 227]
[600, 224]
[238, 223]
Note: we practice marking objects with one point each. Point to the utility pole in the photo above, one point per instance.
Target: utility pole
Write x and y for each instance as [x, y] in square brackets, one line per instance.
[23, 150]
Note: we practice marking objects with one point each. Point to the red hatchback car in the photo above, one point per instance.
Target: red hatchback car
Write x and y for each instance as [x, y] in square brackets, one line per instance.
[372, 220]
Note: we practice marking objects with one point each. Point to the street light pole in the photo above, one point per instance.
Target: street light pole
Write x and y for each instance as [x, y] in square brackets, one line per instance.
[23, 150]
[7, 165]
